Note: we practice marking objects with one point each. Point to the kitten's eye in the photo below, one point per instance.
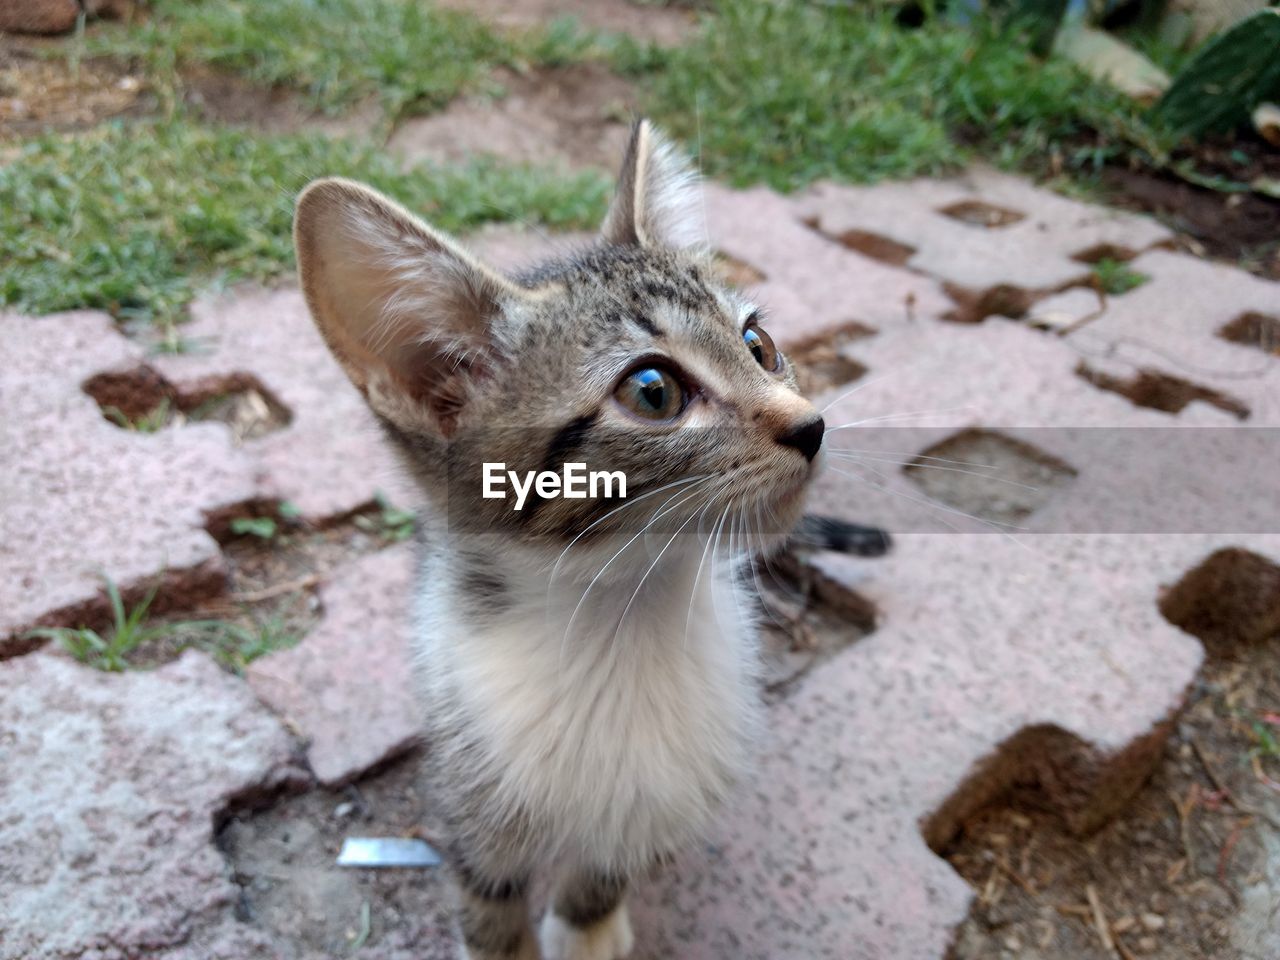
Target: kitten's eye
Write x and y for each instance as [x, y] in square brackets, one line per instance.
[651, 392]
[761, 346]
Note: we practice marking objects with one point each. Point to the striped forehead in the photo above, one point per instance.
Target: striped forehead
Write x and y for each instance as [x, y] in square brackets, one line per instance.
[631, 296]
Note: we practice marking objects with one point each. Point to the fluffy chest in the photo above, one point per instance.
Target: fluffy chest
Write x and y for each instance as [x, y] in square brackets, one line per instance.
[622, 735]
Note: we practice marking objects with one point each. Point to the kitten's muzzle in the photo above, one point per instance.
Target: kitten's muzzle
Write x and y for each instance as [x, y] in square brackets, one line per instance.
[807, 437]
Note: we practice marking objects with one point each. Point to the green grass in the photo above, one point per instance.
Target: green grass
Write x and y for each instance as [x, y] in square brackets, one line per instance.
[150, 422]
[126, 634]
[406, 53]
[135, 218]
[1116, 277]
[232, 645]
[791, 91]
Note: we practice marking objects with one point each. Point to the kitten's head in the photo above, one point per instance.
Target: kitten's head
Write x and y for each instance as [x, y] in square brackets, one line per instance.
[633, 356]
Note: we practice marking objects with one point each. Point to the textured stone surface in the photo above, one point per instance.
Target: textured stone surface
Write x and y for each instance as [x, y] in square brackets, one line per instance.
[1172, 323]
[330, 459]
[812, 287]
[1033, 253]
[111, 787]
[1023, 384]
[82, 497]
[980, 639]
[345, 687]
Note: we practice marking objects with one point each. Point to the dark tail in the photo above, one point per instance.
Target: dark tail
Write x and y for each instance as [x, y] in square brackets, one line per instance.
[828, 533]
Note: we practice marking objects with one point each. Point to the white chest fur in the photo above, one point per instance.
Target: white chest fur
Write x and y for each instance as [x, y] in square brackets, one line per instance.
[621, 736]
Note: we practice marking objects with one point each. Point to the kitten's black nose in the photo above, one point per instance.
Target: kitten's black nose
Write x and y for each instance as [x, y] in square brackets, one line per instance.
[807, 437]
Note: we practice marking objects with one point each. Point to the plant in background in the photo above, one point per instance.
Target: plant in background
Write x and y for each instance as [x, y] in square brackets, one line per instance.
[1226, 79]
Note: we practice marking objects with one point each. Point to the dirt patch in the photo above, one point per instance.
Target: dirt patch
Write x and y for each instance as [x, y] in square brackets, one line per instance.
[283, 860]
[979, 214]
[574, 116]
[142, 400]
[39, 93]
[807, 619]
[821, 364]
[226, 98]
[1240, 227]
[1190, 869]
[989, 476]
[876, 246]
[1103, 252]
[1254, 330]
[1161, 391]
[664, 23]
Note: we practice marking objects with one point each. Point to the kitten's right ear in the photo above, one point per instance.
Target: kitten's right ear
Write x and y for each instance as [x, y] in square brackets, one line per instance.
[415, 320]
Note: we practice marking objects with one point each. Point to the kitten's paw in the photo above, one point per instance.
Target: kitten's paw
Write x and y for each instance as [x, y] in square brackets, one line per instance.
[610, 939]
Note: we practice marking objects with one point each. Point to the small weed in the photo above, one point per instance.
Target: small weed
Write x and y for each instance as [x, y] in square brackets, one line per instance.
[287, 517]
[108, 652]
[147, 423]
[232, 645]
[389, 522]
[265, 528]
[1266, 736]
[1116, 277]
[135, 218]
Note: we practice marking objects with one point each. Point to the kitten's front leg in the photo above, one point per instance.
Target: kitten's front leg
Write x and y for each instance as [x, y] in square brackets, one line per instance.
[494, 917]
[588, 919]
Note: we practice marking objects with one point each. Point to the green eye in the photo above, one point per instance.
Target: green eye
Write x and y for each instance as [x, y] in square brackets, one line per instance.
[651, 392]
[761, 346]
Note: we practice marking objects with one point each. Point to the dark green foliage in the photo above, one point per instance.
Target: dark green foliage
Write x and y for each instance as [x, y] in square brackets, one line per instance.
[1229, 76]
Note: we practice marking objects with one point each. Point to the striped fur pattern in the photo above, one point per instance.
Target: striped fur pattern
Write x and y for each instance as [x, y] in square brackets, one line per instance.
[587, 669]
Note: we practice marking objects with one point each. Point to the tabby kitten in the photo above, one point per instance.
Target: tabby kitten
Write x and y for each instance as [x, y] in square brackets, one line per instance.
[586, 667]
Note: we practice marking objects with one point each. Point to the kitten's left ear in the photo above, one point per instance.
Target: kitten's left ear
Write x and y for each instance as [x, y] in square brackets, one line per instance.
[658, 202]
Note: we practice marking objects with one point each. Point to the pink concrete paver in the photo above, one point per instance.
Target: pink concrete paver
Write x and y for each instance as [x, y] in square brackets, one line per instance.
[1022, 383]
[826, 852]
[1173, 323]
[1033, 253]
[331, 459]
[112, 783]
[82, 497]
[345, 687]
[812, 287]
